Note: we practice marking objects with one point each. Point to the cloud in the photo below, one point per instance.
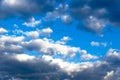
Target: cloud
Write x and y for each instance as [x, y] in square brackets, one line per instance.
[32, 22]
[11, 44]
[109, 75]
[102, 12]
[93, 43]
[67, 66]
[2, 30]
[24, 66]
[67, 19]
[32, 34]
[23, 57]
[48, 46]
[91, 24]
[64, 40]
[25, 8]
[87, 56]
[18, 60]
[46, 31]
[98, 44]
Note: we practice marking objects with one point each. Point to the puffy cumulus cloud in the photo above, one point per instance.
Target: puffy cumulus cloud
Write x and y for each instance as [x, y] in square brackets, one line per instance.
[112, 75]
[64, 40]
[9, 44]
[48, 46]
[113, 56]
[87, 56]
[91, 24]
[12, 39]
[46, 31]
[32, 34]
[24, 66]
[23, 57]
[2, 30]
[67, 66]
[60, 12]
[25, 8]
[102, 13]
[32, 22]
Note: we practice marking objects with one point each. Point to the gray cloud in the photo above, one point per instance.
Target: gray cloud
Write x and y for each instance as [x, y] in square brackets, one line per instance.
[106, 11]
[37, 68]
[25, 8]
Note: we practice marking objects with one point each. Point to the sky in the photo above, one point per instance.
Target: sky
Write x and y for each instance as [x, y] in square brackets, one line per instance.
[59, 40]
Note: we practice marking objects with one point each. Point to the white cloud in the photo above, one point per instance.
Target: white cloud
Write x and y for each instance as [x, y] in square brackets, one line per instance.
[98, 44]
[109, 75]
[50, 47]
[32, 34]
[93, 43]
[68, 67]
[64, 40]
[12, 39]
[46, 31]
[87, 56]
[94, 24]
[11, 44]
[23, 57]
[66, 19]
[32, 22]
[11, 2]
[2, 30]
[113, 53]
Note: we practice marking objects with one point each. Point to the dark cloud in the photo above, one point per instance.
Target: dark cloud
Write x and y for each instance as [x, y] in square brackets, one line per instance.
[32, 69]
[39, 69]
[25, 8]
[106, 10]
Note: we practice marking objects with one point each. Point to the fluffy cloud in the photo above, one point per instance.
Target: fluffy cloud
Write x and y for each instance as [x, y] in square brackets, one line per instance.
[2, 30]
[87, 56]
[32, 34]
[23, 66]
[9, 44]
[32, 22]
[67, 66]
[64, 40]
[48, 46]
[46, 31]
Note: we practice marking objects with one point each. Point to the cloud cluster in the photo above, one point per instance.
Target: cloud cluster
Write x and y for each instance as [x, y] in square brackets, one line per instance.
[23, 66]
[92, 15]
[102, 11]
[32, 22]
[17, 63]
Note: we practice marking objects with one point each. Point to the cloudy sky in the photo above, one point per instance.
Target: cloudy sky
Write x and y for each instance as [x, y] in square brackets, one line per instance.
[59, 39]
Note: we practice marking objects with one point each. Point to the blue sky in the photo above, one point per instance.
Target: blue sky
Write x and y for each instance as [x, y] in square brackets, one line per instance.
[74, 38]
